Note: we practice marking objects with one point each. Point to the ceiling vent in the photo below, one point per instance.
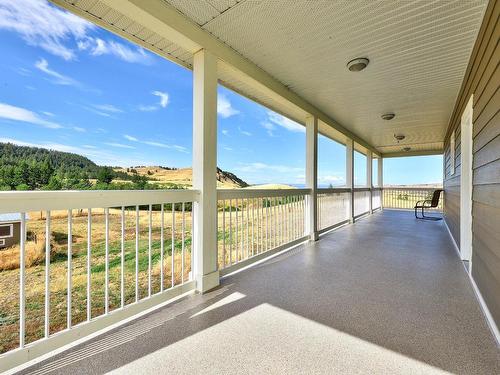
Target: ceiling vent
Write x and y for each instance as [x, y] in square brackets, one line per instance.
[358, 64]
[388, 116]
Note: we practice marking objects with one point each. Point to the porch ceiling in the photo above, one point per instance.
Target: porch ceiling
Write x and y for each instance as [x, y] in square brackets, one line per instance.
[418, 55]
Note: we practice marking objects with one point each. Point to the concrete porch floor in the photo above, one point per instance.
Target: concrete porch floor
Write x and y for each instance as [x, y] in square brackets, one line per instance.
[386, 295]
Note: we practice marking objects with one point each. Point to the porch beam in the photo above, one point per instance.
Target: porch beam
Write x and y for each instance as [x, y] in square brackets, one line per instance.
[349, 175]
[312, 176]
[205, 170]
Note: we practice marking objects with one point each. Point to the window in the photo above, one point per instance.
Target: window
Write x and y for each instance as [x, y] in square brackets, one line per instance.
[6, 230]
[452, 153]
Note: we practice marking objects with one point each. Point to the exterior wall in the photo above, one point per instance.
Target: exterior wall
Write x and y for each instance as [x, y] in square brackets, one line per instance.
[482, 80]
[16, 236]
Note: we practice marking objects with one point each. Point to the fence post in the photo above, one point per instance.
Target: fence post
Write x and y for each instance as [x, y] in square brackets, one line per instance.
[311, 176]
[204, 170]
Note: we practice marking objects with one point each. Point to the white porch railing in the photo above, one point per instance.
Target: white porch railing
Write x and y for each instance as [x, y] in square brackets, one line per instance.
[88, 259]
[376, 198]
[361, 201]
[333, 207]
[406, 197]
[254, 223]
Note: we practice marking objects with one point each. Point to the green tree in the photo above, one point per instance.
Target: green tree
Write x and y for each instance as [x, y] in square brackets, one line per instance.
[105, 175]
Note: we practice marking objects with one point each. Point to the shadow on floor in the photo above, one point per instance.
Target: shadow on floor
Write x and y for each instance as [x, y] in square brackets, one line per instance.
[386, 295]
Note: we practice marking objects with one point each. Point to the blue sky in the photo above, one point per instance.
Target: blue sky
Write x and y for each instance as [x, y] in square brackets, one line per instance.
[71, 86]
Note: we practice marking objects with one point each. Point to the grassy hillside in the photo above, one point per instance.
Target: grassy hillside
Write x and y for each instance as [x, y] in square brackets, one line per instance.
[182, 176]
[32, 168]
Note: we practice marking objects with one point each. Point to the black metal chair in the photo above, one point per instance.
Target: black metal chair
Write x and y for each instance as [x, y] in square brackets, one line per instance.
[429, 203]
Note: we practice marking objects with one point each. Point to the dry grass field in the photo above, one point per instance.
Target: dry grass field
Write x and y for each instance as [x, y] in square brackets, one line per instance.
[35, 268]
[273, 225]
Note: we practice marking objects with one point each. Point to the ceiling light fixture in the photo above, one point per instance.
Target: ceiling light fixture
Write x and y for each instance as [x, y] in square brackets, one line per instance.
[406, 149]
[358, 64]
[399, 137]
[388, 116]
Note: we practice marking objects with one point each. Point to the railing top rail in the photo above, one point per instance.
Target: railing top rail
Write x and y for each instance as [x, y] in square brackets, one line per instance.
[23, 201]
[333, 190]
[257, 193]
[412, 188]
[361, 189]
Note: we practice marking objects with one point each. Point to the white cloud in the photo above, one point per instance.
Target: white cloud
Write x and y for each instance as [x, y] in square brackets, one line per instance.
[108, 108]
[89, 146]
[244, 132]
[59, 78]
[130, 138]
[255, 167]
[11, 112]
[225, 132]
[99, 47]
[279, 120]
[163, 98]
[46, 113]
[119, 145]
[224, 107]
[269, 127]
[43, 25]
[227, 148]
[147, 108]
[79, 129]
[156, 144]
[61, 33]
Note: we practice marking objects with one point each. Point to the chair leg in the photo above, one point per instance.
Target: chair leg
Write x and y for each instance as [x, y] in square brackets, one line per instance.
[430, 217]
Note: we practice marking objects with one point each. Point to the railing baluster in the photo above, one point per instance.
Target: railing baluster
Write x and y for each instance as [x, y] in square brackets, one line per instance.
[89, 263]
[122, 259]
[253, 226]
[106, 262]
[172, 258]
[162, 246]
[70, 270]
[247, 225]
[230, 231]
[22, 279]
[236, 234]
[47, 274]
[136, 253]
[223, 234]
[183, 228]
[150, 245]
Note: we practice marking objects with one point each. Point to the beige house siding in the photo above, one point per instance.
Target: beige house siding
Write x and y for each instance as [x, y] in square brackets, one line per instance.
[482, 80]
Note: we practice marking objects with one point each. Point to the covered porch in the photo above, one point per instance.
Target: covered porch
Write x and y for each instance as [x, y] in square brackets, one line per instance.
[366, 298]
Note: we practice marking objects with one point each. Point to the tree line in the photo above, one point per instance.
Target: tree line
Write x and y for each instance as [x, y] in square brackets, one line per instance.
[31, 168]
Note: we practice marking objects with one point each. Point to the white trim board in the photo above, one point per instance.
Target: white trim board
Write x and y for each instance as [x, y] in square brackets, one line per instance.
[482, 303]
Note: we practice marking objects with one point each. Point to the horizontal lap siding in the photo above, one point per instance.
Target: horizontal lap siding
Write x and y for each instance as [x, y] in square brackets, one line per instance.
[482, 80]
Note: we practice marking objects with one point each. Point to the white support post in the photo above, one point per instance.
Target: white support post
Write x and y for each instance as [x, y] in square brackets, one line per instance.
[349, 175]
[312, 176]
[369, 178]
[380, 180]
[204, 170]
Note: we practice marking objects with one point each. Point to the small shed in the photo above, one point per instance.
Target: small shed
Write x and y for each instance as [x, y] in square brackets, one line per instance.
[10, 229]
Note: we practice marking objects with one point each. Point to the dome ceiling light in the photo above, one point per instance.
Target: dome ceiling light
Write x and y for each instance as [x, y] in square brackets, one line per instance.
[388, 116]
[399, 137]
[358, 64]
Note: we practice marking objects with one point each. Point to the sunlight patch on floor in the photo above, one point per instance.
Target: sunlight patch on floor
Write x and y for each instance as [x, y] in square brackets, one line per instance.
[267, 339]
